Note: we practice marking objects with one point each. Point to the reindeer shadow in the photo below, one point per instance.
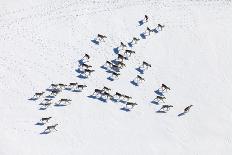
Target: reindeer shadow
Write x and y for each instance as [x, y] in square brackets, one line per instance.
[115, 61]
[141, 71]
[68, 89]
[81, 61]
[40, 123]
[155, 102]
[143, 35]
[110, 78]
[161, 111]
[155, 30]
[104, 67]
[79, 71]
[116, 50]
[60, 105]
[114, 100]
[45, 132]
[130, 44]
[76, 90]
[140, 22]
[125, 109]
[92, 97]
[81, 76]
[42, 108]
[95, 41]
[32, 99]
[181, 114]
[102, 99]
[158, 92]
[134, 83]
[50, 96]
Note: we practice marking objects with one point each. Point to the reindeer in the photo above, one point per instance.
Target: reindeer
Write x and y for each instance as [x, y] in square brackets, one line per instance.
[122, 45]
[121, 64]
[160, 98]
[65, 100]
[45, 119]
[46, 100]
[54, 85]
[47, 104]
[121, 57]
[146, 18]
[101, 37]
[97, 92]
[139, 79]
[164, 88]
[55, 92]
[73, 84]
[145, 64]
[51, 127]
[62, 86]
[106, 89]
[81, 87]
[119, 95]
[187, 108]
[88, 71]
[108, 63]
[86, 56]
[37, 95]
[148, 30]
[161, 26]
[107, 95]
[165, 108]
[85, 66]
[127, 97]
[116, 67]
[132, 104]
[135, 40]
[129, 52]
[115, 74]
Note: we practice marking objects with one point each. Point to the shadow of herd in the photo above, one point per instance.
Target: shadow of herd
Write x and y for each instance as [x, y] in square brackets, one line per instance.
[113, 67]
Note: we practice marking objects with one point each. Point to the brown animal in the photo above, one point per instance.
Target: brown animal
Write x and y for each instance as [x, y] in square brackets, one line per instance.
[108, 64]
[132, 104]
[37, 95]
[101, 37]
[165, 108]
[81, 87]
[160, 98]
[88, 72]
[45, 119]
[127, 97]
[65, 100]
[135, 40]
[148, 30]
[187, 109]
[122, 45]
[115, 74]
[121, 57]
[164, 87]
[145, 64]
[161, 27]
[86, 56]
[106, 89]
[51, 127]
[139, 79]
[129, 52]
[97, 92]
[85, 66]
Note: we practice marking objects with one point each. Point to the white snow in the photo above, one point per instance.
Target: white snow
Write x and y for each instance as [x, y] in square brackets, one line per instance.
[41, 42]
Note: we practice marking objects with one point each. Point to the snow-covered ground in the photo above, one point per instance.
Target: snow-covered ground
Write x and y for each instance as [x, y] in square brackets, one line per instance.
[42, 41]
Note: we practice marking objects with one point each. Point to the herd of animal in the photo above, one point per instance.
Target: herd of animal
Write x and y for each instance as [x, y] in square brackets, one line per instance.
[104, 94]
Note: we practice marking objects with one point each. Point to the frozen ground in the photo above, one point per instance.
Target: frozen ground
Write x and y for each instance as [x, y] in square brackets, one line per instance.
[41, 42]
